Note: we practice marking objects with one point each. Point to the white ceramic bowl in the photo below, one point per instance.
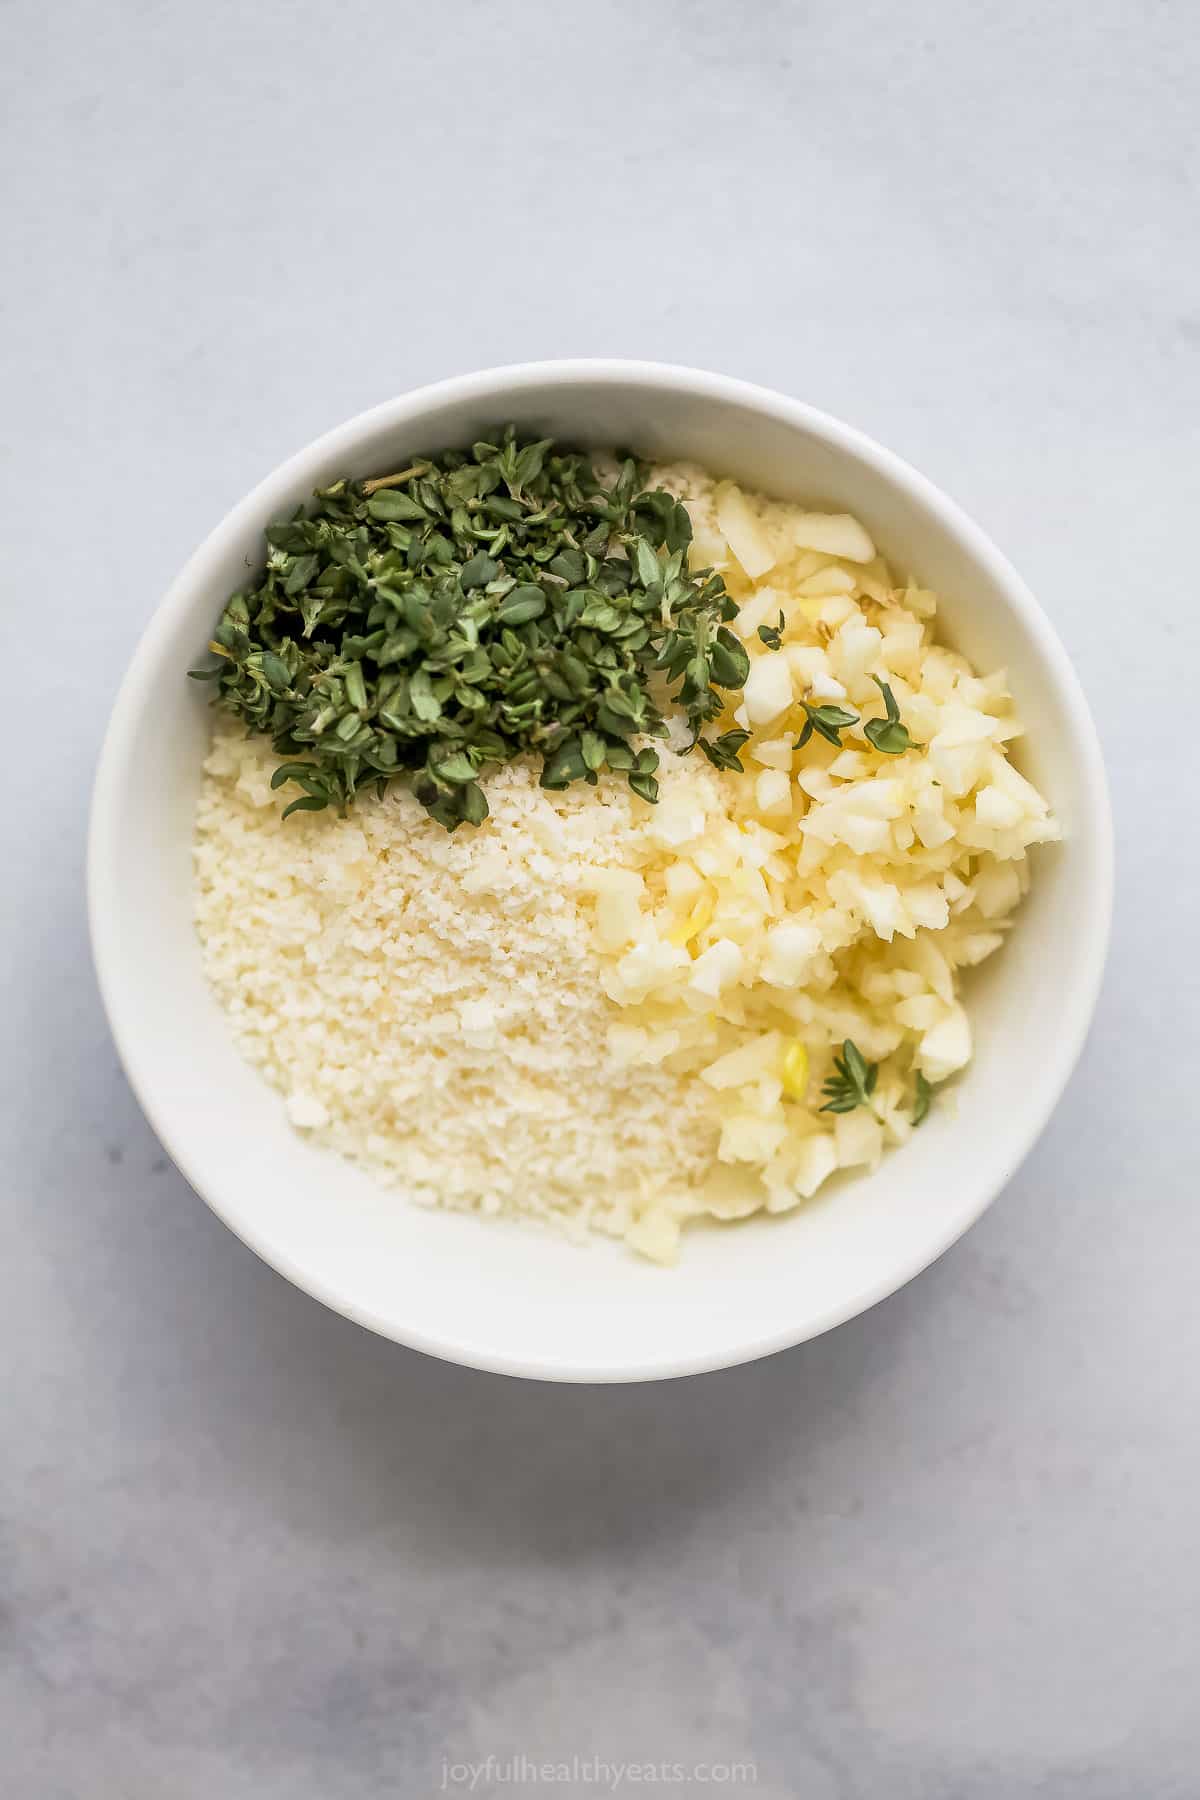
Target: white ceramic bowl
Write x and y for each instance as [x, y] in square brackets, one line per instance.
[512, 1298]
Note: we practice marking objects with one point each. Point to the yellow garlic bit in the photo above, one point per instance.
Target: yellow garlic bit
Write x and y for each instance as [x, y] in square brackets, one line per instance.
[700, 916]
[795, 1071]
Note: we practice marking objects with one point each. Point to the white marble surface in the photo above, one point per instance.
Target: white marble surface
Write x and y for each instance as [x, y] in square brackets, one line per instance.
[948, 1552]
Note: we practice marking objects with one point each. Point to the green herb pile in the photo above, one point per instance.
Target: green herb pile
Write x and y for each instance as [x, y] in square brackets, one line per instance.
[468, 609]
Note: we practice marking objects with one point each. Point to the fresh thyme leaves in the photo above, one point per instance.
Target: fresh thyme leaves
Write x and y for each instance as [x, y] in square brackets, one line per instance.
[397, 480]
[923, 1099]
[473, 606]
[772, 635]
[828, 721]
[888, 735]
[853, 1082]
[723, 752]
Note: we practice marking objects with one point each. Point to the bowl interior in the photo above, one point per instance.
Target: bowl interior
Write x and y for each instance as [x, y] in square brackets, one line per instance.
[515, 1298]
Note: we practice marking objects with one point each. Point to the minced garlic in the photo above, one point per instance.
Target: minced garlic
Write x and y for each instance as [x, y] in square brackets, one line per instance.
[830, 891]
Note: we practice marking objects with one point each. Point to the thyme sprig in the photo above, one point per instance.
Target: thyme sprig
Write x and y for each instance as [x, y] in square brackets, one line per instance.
[888, 735]
[853, 1081]
[828, 722]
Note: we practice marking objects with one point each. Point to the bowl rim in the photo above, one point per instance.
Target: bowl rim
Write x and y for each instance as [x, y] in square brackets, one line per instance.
[1095, 824]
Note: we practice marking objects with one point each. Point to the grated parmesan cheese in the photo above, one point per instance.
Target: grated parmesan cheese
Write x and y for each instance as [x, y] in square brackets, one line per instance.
[433, 1005]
